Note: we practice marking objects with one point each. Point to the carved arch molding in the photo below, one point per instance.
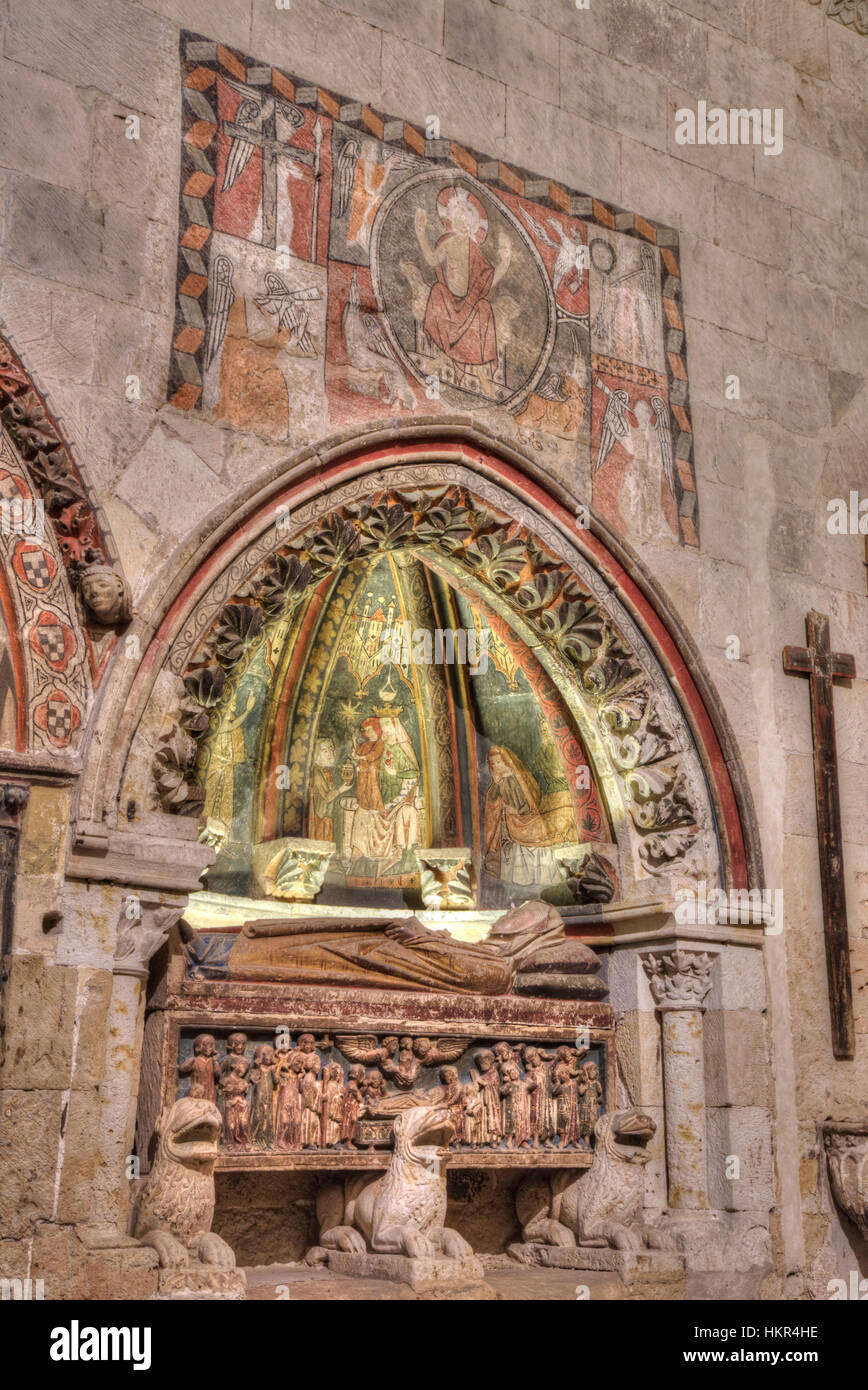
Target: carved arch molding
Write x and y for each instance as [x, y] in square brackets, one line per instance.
[54, 650]
[516, 553]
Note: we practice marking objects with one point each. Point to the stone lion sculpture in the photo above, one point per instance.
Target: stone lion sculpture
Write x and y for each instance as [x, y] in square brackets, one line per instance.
[176, 1204]
[603, 1207]
[402, 1211]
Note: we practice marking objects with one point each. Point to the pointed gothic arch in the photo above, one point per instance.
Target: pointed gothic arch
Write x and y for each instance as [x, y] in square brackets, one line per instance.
[646, 711]
[51, 533]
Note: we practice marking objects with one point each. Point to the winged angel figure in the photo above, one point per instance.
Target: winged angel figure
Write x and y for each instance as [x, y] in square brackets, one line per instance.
[412, 1054]
[288, 307]
[571, 258]
[252, 113]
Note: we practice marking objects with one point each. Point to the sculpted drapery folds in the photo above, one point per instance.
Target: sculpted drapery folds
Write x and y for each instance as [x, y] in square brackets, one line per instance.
[402, 954]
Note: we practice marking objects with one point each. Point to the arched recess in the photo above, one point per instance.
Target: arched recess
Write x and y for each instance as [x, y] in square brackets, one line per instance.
[54, 650]
[657, 740]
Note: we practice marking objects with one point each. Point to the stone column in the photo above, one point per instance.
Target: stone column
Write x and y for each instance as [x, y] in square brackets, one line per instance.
[140, 935]
[679, 982]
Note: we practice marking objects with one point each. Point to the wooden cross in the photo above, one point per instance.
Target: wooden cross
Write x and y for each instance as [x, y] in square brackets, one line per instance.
[822, 666]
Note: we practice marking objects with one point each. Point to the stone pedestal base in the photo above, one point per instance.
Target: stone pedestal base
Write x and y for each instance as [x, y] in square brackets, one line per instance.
[630, 1264]
[716, 1241]
[425, 1275]
[201, 1281]
[698, 1235]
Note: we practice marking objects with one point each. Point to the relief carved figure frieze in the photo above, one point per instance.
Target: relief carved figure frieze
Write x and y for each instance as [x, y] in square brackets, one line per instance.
[309, 1093]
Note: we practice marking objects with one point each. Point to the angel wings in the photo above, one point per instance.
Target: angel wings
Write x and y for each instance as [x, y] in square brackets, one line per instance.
[427, 1052]
[400, 1059]
[619, 417]
[571, 259]
[287, 306]
[253, 111]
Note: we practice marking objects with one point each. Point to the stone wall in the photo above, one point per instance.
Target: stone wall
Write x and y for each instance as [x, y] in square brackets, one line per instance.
[774, 251]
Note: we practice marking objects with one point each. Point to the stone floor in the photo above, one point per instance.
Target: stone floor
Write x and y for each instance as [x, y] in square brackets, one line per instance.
[504, 1280]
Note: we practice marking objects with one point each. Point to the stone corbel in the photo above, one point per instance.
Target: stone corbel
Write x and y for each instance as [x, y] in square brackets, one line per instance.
[447, 880]
[291, 869]
[13, 798]
[846, 1145]
[141, 933]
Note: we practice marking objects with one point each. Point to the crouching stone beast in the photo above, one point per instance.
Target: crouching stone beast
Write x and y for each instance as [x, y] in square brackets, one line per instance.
[603, 1207]
[401, 1212]
[176, 1205]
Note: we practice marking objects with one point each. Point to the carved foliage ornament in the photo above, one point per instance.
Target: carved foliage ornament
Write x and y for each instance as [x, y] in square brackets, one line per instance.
[140, 938]
[679, 979]
[498, 552]
[82, 534]
[853, 13]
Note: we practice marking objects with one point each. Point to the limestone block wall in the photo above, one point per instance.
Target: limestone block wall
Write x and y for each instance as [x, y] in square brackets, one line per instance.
[774, 262]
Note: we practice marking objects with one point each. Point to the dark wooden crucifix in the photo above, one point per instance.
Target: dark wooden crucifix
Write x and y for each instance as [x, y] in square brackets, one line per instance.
[822, 666]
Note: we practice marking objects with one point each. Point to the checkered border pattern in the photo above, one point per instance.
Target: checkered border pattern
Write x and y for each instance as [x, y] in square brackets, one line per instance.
[16, 380]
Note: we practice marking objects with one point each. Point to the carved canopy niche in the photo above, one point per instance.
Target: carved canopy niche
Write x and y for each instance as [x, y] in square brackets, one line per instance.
[244, 724]
[287, 665]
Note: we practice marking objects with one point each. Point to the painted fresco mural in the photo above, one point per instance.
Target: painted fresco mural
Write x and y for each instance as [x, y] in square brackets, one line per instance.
[338, 267]
[411, 694]
[389, 715]
[8, 692]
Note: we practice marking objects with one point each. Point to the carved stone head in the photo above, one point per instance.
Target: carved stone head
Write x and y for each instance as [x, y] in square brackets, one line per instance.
[105, 595]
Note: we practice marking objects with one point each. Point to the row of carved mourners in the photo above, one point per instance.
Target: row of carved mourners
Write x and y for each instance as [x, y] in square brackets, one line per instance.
[539, 586]
[324, 1093]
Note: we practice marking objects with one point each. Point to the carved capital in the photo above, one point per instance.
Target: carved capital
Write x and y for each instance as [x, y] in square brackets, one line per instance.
[292, 870]
[140, 936]
[678, 979]
[847, 1163]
